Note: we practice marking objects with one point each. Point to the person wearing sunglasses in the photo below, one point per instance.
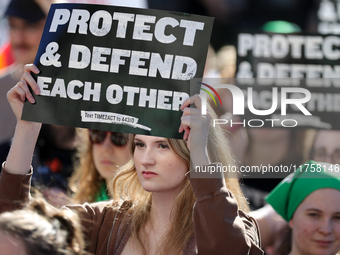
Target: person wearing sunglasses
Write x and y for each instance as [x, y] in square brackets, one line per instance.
[100, 154]
[159, 207]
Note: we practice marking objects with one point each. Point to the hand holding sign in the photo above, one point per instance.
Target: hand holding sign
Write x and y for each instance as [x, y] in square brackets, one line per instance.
[18, 94]
[26, 132]
[117, 69]
[193, 122]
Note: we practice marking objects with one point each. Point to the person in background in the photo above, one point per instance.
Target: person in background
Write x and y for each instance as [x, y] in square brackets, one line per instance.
[55, 146]
[53, 161]
[210, 68]
[275, 147]
[100, 154]
[39, 230]
[326, 147]
[166, 210]
[226, 61]
[309, 201]
[26, 19]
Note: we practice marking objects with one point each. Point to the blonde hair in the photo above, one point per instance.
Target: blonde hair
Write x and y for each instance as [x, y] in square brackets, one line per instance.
[85, 181]
[126, 186]
[226, 61]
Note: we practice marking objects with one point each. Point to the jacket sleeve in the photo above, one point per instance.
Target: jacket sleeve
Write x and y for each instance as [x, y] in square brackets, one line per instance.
[15, 194]
[219, 226]
[14, 190]
[96, 234]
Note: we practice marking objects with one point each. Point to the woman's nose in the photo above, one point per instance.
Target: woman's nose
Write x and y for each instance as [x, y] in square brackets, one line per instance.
[107, 141]
[326, 226]
[147, 157]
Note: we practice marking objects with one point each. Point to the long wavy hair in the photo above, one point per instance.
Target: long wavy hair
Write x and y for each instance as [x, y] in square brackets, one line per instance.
[85, 181]
[126, 186]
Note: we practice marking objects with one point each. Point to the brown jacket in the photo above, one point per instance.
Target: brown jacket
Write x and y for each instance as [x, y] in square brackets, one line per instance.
[219, 227]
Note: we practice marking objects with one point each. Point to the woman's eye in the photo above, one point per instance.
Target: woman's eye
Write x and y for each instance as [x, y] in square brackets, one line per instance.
[139, 144]
[313, 215]
[163, 146]
[337, 217]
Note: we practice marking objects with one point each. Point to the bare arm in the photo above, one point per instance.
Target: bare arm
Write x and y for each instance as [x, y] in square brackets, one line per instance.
[26, 133]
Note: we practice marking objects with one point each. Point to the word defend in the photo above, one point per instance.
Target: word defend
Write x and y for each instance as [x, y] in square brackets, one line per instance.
[103, 66]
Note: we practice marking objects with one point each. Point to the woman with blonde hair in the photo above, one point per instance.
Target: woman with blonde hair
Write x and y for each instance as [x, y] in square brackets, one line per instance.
[130, 186]
[100, 154]
[160, 206]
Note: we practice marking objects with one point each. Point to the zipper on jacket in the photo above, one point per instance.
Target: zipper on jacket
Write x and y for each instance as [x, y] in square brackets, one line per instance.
[108, 244]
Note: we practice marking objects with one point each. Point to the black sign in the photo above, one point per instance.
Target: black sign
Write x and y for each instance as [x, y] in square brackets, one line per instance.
[328, 17]
[118, 69]
[293, 78]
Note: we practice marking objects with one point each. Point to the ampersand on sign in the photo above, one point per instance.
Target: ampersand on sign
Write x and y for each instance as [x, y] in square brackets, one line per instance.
[49, 57]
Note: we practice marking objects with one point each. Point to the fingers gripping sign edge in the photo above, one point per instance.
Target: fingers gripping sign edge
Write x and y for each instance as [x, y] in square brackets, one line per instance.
[29, 79]
[195, 99]
[187, 112]
[27, 92]
[20, 91]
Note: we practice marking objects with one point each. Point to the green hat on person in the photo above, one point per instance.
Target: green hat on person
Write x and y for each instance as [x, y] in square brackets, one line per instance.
[309, 177]
[281, 26]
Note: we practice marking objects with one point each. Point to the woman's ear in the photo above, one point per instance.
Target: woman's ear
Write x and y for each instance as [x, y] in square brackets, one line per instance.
[290, 223]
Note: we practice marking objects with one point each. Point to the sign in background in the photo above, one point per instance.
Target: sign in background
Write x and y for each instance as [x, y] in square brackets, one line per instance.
[328, 16]
[307, 64]
[118, 69]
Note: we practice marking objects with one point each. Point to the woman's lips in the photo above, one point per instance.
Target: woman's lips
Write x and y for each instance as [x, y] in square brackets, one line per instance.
[148, 174]
[106, 162]
[323, 243]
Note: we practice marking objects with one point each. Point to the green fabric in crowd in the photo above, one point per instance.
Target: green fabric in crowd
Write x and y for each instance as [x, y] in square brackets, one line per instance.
[102, 193]
[281, 26]
[309, 177]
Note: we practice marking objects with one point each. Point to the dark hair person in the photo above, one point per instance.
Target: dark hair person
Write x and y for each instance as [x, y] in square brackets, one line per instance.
[160, 208]
[39, 230]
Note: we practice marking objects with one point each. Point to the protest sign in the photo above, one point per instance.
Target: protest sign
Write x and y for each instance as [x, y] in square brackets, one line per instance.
[118, 69]
[126, 3]
[290, 76]
[328, 17]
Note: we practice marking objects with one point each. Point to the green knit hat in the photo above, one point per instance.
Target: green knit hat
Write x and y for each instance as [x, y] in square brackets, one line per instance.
[311, 176]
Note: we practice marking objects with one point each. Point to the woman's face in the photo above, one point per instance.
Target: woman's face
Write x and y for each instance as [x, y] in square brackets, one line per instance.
[269, 135]
[326, 146]
[11, 245]
[108, 157]
[316, 224]
[158, 167]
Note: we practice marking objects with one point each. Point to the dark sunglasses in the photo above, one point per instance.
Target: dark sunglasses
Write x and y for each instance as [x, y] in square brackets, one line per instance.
[98, 136]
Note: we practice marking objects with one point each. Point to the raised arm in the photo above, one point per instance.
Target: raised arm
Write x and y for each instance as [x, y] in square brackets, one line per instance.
[16, 174]
[219, 226]
[26, 133]
[195, 126]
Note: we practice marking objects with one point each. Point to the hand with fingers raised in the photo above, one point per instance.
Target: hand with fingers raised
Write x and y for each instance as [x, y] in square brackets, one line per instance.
[26, 132]
[196, 129]
[18, 94]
